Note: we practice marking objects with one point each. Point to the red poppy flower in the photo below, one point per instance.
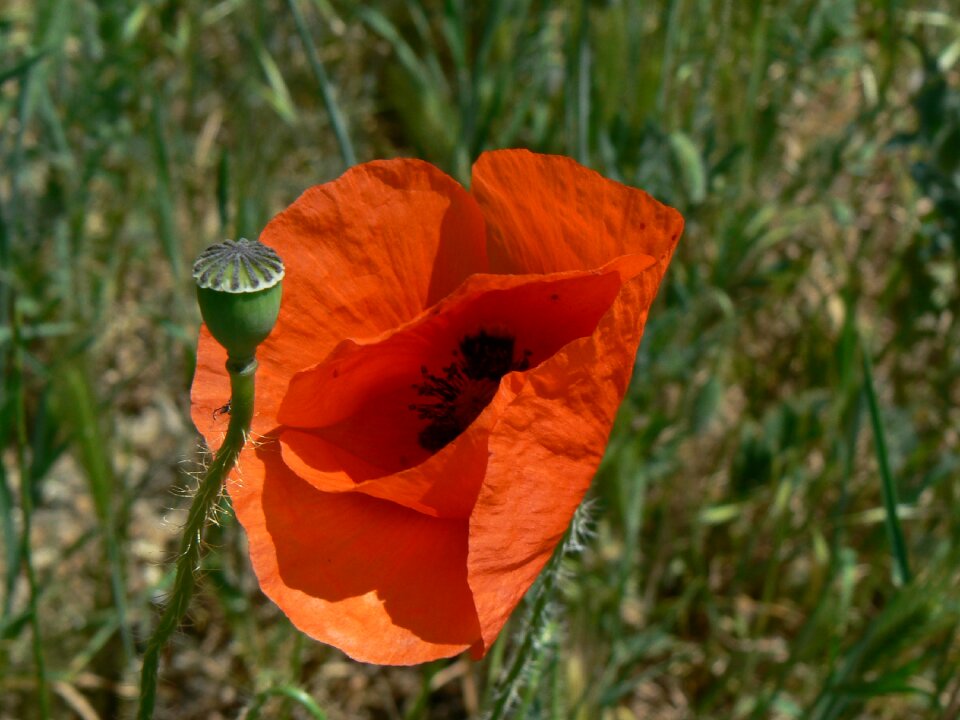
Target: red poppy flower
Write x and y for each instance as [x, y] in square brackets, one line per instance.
[437, 393]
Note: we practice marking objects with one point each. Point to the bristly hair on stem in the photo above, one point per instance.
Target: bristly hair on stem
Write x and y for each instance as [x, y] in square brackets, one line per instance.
[191, 544]
[239, 290]
[540, 631]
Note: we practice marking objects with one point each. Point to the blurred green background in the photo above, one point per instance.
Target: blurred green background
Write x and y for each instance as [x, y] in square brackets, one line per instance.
[775, 527]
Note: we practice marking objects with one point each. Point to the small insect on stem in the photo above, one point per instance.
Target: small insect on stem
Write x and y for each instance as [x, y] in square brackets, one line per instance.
[222, 410]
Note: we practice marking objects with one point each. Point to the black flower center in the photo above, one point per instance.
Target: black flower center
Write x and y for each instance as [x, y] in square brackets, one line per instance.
[462, 389]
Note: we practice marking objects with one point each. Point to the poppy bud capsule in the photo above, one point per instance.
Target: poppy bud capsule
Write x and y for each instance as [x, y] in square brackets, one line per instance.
[239, 290]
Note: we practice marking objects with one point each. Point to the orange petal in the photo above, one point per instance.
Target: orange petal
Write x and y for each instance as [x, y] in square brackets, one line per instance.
[544, 452]
[398, 557]
[384, 584]
[547, 213]
[351, 423]
[363, 254]
[445, 485]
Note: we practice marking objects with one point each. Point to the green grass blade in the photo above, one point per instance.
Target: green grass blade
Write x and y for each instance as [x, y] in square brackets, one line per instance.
[21, 67]
[80, 408]
[898, 544]
[417, 69]
[223, 193]
[673, 28]
[11, 545]
[420, 706]
[583, 85]
[287, 691]
[457, 34]
[166, 223]
[26, 508]
[39, 331]
[326, 89]
[431, 57]
[276, 93]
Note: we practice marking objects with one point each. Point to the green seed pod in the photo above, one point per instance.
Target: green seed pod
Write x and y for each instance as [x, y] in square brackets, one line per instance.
[239, 289]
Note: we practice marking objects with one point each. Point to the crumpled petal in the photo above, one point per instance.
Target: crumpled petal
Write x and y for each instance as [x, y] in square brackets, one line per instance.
[363, 254]
[544, 452]
[382, 583]
[347, 423]
[548, 213]
[398, 558]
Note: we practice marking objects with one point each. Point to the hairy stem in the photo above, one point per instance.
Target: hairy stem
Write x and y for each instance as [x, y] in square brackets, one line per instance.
[241, 413]
[539, 615]
[511, 682]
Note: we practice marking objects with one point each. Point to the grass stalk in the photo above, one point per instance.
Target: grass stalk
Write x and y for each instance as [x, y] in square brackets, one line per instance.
[11, 546]
[418, 709]
[457, 34]
[673, 14]
[291, 693]
[583, 85]
[746, 131]
[326, 89]
[895, 532]
[104, 489]
[26, 507]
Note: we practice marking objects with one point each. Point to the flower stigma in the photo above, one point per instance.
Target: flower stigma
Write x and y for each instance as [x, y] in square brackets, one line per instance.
[464, 387]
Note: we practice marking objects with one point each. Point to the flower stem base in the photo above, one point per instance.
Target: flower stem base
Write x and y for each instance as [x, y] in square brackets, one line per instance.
[242, 374]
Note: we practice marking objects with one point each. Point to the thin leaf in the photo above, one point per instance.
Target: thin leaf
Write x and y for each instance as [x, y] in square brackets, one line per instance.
[894, 531]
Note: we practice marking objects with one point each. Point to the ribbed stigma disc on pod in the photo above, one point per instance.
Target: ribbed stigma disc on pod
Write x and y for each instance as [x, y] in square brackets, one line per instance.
[239, 266]
[239, 289]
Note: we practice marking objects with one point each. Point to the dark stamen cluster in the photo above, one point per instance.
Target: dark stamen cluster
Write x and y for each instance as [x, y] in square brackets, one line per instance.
[462, 389]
